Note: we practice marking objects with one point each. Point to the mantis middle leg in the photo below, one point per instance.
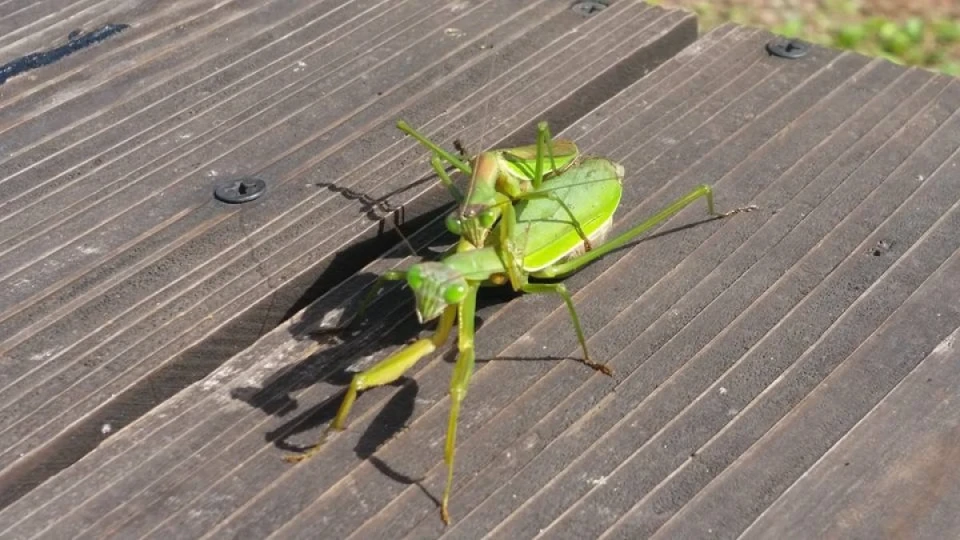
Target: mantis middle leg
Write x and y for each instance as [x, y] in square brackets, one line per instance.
[561, 289]
[458, 388]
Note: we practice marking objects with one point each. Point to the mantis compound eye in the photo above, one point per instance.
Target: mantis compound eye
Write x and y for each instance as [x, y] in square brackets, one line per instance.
[415, 277]
[454, 294]
[454, 224]
[487, 219]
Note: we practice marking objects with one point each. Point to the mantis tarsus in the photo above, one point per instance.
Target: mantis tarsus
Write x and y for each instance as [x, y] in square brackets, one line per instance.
[543, 239]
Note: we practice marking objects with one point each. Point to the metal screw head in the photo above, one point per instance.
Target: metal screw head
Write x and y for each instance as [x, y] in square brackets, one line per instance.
[240, 190]
[788, 48]
[590, 7]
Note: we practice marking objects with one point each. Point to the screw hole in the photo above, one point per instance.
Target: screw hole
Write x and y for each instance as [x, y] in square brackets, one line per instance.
[882, 247]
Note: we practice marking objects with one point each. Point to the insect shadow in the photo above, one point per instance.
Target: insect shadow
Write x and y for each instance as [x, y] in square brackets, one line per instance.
[394, 232]
[333, 365]
[339, 348]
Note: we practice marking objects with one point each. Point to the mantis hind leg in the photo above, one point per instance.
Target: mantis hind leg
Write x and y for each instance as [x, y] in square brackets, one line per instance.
[384, 372]
[574, 264]
[561, 289]
[458, 389]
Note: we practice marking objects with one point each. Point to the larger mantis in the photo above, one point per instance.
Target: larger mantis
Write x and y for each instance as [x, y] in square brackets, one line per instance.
[546, 244]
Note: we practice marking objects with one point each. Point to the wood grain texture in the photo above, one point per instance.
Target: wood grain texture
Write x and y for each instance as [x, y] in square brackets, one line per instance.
[122, 280]
[753, 356]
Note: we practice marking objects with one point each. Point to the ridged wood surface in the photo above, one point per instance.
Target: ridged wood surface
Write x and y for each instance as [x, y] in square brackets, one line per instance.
[122, 279]
[754, 357]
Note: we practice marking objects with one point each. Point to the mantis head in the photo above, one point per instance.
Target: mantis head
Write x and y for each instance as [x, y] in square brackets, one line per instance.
[480, 210]
[435, 285]
[474, 222]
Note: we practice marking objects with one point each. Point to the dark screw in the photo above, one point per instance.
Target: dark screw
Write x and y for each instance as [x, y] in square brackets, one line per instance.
[240, 190]
[788, 48]
[590, 7]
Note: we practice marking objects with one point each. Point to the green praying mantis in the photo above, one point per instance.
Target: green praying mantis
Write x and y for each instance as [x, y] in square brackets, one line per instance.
[498, 179]
[547, 235]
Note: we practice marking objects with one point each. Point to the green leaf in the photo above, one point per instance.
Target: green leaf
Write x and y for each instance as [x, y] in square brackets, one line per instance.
[850, 36]
[946, 31]
[913, 28]
[951, 68]
[897, 43]
[887, 30]
[792, 27]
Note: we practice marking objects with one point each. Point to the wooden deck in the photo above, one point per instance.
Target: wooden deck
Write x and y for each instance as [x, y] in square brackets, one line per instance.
[782, 373]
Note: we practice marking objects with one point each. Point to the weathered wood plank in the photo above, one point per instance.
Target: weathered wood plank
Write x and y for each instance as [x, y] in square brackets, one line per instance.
[122, 280]
[895, 475]
[743, 350]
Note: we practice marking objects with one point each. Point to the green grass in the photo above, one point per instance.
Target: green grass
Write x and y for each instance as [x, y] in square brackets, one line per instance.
[933, 43]
[912, 42]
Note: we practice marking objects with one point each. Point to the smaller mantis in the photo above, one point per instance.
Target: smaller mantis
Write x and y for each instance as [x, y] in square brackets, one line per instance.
[498, 179]
[543, 240]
